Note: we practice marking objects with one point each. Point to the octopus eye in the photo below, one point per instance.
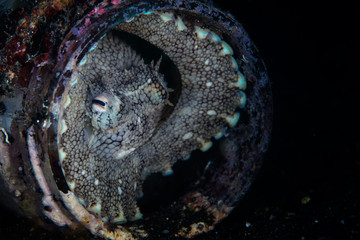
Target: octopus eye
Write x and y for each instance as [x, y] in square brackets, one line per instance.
[99, 104]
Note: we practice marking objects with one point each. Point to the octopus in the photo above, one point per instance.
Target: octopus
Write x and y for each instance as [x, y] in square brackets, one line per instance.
[117, 125]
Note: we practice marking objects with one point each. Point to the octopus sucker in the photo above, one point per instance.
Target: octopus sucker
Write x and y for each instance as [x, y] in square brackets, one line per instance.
[241, 82]
[180, 25]
[215, 38]
[201, 33]
[73, 82]
[62, 154]
[71, 185]
[242, 99]
[206, 146]
[66, 101]
[219, 134]
[233, 120]
[62, 127]
[227, 50]
[83, 61]
[96, 208]
[168, 172]
[120, 219]
[166, 16]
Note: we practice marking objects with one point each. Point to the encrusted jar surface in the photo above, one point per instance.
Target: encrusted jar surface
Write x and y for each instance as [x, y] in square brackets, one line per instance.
[101, 98]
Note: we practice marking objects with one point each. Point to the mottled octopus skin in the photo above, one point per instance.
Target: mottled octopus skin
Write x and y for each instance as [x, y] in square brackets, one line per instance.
[107, 152]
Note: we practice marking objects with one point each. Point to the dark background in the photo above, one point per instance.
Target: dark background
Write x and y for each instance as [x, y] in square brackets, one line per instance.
[309, 184]
[308, 187]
